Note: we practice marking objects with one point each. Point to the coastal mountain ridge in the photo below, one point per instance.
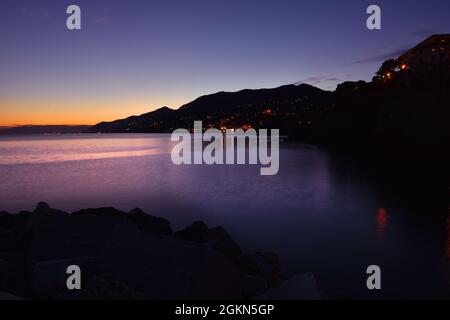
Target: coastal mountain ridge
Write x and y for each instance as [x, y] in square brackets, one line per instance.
[403, 102]
[244, 108]
[406, 103]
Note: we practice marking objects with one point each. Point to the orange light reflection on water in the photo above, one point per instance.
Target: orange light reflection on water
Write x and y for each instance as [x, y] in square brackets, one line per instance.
[447, 243]
[382, 217]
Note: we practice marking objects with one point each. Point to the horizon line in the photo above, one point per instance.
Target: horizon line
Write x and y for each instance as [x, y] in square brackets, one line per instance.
[299, 83]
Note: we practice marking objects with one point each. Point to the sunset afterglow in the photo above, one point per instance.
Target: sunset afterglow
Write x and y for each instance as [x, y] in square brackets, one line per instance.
[133, 59]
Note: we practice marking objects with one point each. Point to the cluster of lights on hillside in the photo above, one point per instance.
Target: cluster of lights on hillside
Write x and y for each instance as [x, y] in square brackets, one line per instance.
[402, 67]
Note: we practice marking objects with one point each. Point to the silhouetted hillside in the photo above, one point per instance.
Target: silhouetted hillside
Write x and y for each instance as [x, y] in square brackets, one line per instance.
[406, 105]
[155, 121]
[409, 108]
[288, 108]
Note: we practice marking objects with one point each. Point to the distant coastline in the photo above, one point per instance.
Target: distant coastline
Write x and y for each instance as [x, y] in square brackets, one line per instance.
[44, 129]
[400, 107]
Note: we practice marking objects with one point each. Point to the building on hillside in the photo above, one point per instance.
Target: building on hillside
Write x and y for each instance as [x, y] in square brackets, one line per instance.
[431, 53]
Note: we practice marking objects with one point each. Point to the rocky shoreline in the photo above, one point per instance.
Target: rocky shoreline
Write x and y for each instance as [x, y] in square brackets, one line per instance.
[133, 256]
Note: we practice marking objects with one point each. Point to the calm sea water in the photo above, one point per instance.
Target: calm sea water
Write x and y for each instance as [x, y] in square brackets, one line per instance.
[322, 213]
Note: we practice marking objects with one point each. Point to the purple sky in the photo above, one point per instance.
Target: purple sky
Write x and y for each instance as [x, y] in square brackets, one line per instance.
[134, 56]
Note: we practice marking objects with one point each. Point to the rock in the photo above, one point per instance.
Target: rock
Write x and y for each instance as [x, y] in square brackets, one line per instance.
[126, 256]
[49, 277]
[262, 264]
[300, 287]
[162, 267]
[217, 238]
[42, 213]
[145, 222]
[4, 274]
[253, 286]
[5, 233]
[218, 279]
[102, 287]
[106, 212]
[7, 241]
[44, 209]
[14, 222]
[150, 223]
[68, 236]
[8, 296]
[224, 243]
[197, 232]
[42, 206]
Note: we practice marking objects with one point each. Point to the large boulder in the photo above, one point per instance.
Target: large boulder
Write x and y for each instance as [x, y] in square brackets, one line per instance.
[49, 277]
[4, 296]
[5, 269]
[253, 286]
[220, 240]
[14, 222]
[105, 212]
[150, 223]
[162, 267]
[44, 209]
[41, 214]
[217, 238]
[265, 265]
[7, 241]
[101, 287]
[299, 287]
[57, 235]
[144, 221]
[198, 232]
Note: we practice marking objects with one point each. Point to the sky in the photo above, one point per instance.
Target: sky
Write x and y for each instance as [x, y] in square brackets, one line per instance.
[134, 56]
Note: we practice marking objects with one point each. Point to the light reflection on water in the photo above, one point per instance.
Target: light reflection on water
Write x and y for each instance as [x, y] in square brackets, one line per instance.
[46, 149]
[382, 218]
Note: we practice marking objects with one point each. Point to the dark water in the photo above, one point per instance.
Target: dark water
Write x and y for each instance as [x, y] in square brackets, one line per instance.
[322, 213]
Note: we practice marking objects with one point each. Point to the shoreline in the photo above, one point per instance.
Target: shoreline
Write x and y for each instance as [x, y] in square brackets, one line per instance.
[117, 250]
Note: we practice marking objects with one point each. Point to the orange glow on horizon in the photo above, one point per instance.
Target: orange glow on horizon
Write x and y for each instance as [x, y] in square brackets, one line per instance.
[45, 119]
[23, 111]
[56, 119]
